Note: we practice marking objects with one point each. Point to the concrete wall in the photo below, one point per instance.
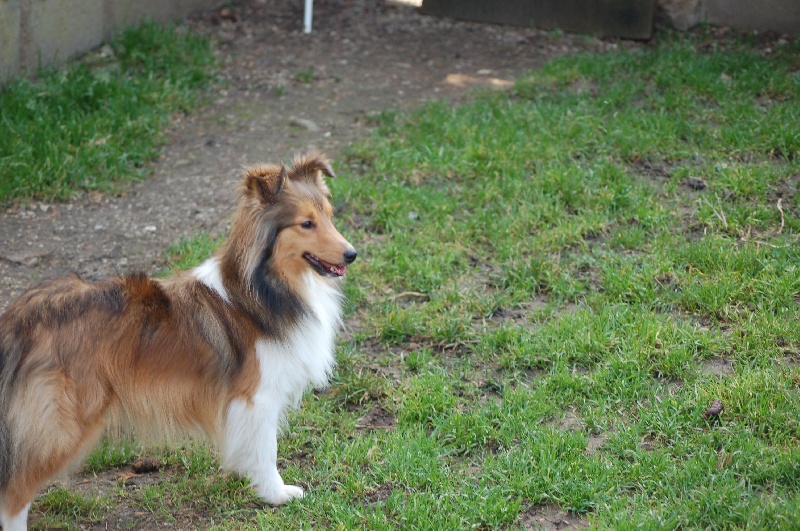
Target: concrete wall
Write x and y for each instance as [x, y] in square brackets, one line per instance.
[764, 15]
[782, 16]
[621, 18]
[34, 32]
[624, 18]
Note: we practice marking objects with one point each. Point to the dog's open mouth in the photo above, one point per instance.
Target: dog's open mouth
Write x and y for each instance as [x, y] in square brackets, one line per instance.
[324, 268]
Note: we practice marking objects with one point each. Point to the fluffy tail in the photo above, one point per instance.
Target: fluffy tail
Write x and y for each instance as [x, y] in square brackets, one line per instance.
[8, 363]
[8, 522]
[13, 514]
[6, 454]
[6, 443]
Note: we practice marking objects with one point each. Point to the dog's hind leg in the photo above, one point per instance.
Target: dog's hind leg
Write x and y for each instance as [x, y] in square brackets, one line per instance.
[250, 447]
[35, 468]
[50, 427]
[14, 522]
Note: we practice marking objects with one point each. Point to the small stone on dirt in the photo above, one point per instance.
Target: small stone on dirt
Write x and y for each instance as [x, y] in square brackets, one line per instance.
[304, 123]
[695, 183]
[146, 465]
[227, 13]
[714, 410]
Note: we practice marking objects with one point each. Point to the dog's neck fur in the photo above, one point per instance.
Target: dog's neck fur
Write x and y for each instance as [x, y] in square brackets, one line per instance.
[304, 354]
[310, 346]
[273, 306]
[260, 294]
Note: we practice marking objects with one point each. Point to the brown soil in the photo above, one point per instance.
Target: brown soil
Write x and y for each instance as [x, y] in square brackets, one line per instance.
[282, 92]
[550, 517]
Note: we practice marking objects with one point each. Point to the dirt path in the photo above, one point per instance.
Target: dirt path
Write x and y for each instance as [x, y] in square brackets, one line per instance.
[363, 57]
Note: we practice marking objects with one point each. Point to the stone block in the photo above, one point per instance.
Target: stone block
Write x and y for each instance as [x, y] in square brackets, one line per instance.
[9, 38]
[125, 13]
[46, 32]
[682, 14]
[614, 18]
[57, 30]
[764, 15]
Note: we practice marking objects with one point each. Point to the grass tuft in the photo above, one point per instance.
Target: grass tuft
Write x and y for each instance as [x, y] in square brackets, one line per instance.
[98, 122]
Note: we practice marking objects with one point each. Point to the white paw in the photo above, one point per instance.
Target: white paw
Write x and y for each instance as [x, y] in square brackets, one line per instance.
[283, 494]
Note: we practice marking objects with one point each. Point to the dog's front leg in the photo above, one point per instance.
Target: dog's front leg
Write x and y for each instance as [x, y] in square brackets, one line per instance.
[250, 447]
[265, 478]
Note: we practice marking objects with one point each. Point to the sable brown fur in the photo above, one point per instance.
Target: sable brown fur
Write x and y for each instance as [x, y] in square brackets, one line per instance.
[159, 357]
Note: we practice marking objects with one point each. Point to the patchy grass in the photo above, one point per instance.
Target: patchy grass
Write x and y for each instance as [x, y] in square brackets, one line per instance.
[99, 121]
[65, 508]
[305, 75]
[191, 251]
[553, 286]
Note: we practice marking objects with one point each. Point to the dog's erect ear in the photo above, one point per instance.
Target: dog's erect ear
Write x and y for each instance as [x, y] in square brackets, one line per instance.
[308, 166]
[265, 182]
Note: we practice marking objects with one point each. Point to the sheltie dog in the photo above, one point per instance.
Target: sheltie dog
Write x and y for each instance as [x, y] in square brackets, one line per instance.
[223, 349]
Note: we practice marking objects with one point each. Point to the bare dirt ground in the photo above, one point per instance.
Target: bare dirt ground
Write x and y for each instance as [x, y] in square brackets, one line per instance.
[281, 93]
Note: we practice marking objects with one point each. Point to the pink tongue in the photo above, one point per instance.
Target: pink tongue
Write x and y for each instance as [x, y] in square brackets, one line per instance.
[333, 268]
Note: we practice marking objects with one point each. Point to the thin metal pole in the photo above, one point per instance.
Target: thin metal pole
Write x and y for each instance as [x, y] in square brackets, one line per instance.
[309, 12]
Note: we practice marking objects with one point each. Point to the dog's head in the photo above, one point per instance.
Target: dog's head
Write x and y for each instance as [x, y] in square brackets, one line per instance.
[293, 219]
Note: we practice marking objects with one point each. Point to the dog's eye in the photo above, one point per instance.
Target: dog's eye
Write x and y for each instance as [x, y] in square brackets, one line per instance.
[307, 224]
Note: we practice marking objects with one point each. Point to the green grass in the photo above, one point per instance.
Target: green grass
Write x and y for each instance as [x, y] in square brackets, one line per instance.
[190, 252]
[582, 306]
[99, 121]
[305, 75]
[64, 508]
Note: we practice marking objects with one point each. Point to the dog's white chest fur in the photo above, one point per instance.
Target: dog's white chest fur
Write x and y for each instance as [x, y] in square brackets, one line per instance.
[305, 357]
[287, 368]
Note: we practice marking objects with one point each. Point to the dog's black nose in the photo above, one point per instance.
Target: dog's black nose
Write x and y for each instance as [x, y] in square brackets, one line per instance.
[350, 256]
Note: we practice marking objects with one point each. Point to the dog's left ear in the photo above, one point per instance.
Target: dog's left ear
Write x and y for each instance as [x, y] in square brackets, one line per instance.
[265, 182]
[310, 164]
